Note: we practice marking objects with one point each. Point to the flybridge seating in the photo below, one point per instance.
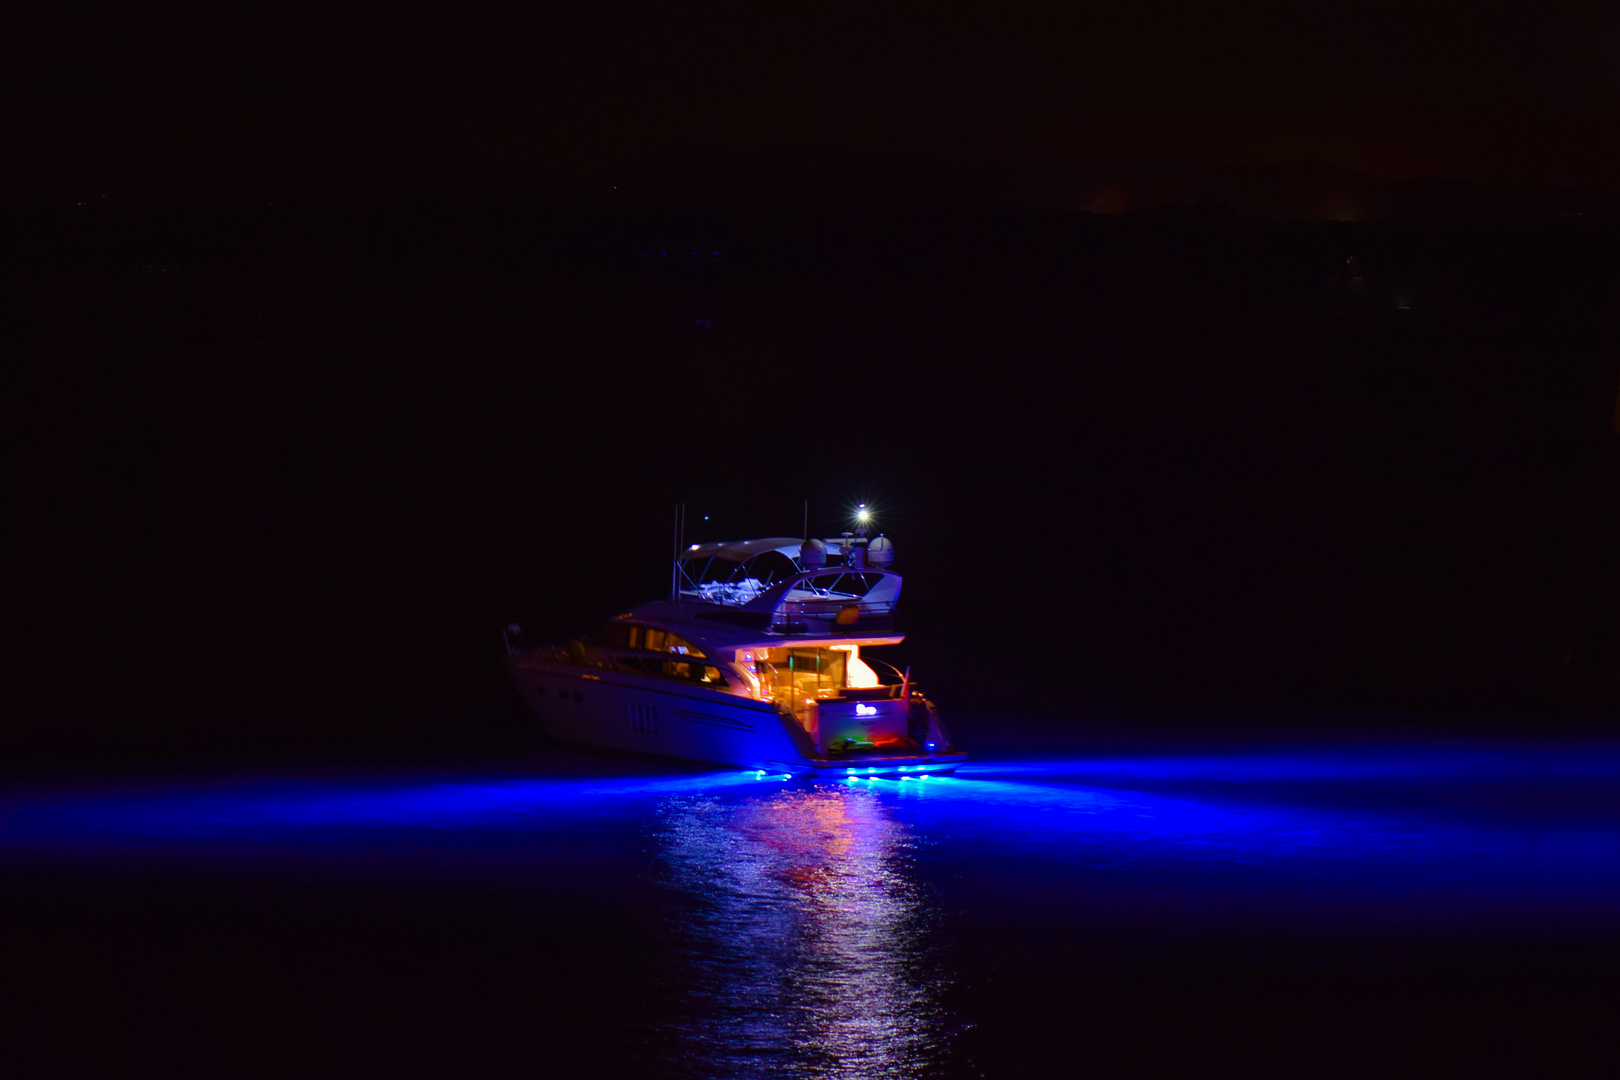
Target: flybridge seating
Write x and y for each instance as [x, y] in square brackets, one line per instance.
[786, 586]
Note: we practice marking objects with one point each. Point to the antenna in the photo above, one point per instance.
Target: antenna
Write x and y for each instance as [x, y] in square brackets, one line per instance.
[807, 521]
[675, 562]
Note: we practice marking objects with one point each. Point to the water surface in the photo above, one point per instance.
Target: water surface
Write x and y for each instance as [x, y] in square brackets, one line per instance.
[1109, 913]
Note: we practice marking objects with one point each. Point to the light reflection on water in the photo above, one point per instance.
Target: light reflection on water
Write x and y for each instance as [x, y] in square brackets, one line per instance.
[809, 938]
[1493, 829]
[839, 929]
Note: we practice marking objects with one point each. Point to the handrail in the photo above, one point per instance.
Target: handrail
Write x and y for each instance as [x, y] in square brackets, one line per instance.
[820, 616]
[834, 606]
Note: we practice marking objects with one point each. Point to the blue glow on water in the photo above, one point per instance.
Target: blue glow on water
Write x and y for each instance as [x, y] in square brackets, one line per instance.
[793, 899]
[249, 811]
[1361, 821]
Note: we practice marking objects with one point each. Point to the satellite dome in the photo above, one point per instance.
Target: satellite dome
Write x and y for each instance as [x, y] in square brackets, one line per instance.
[813, 554]
[880, 552]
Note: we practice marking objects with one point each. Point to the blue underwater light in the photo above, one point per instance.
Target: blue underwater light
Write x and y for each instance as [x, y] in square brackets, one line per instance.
[1511, 838]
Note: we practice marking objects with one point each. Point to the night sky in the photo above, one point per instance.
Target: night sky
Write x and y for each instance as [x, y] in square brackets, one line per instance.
[1267, 352]
[198, 96]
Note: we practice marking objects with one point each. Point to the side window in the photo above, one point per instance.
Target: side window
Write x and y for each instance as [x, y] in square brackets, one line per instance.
[663, 641]
[684, 647]
[707, 674]
[632, 636]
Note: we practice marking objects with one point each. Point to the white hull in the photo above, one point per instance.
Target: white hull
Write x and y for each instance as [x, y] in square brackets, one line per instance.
[615, 710]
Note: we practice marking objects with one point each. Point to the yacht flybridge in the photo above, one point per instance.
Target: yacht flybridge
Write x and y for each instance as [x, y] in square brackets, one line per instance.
[755, 661]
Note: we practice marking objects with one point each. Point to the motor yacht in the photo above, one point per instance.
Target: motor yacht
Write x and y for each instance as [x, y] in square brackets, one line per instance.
[758, 659]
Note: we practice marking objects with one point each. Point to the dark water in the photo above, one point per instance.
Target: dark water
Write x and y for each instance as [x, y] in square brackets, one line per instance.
[1323, 910]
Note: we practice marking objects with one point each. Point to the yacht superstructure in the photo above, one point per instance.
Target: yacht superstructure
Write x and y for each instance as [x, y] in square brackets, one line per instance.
[756, 660]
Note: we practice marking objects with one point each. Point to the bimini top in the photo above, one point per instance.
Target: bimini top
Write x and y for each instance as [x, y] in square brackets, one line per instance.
[767, 585]
[738, 550]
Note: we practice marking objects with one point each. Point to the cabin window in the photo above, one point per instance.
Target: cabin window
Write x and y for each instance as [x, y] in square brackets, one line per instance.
[655, 640]
[703, 674]
[620, 635]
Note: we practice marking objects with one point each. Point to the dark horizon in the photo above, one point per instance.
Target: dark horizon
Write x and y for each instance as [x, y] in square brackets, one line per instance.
[1504, 97]
[709, 180]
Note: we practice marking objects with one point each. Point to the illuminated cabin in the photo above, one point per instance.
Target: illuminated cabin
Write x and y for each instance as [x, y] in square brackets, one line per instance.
[758, 659]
